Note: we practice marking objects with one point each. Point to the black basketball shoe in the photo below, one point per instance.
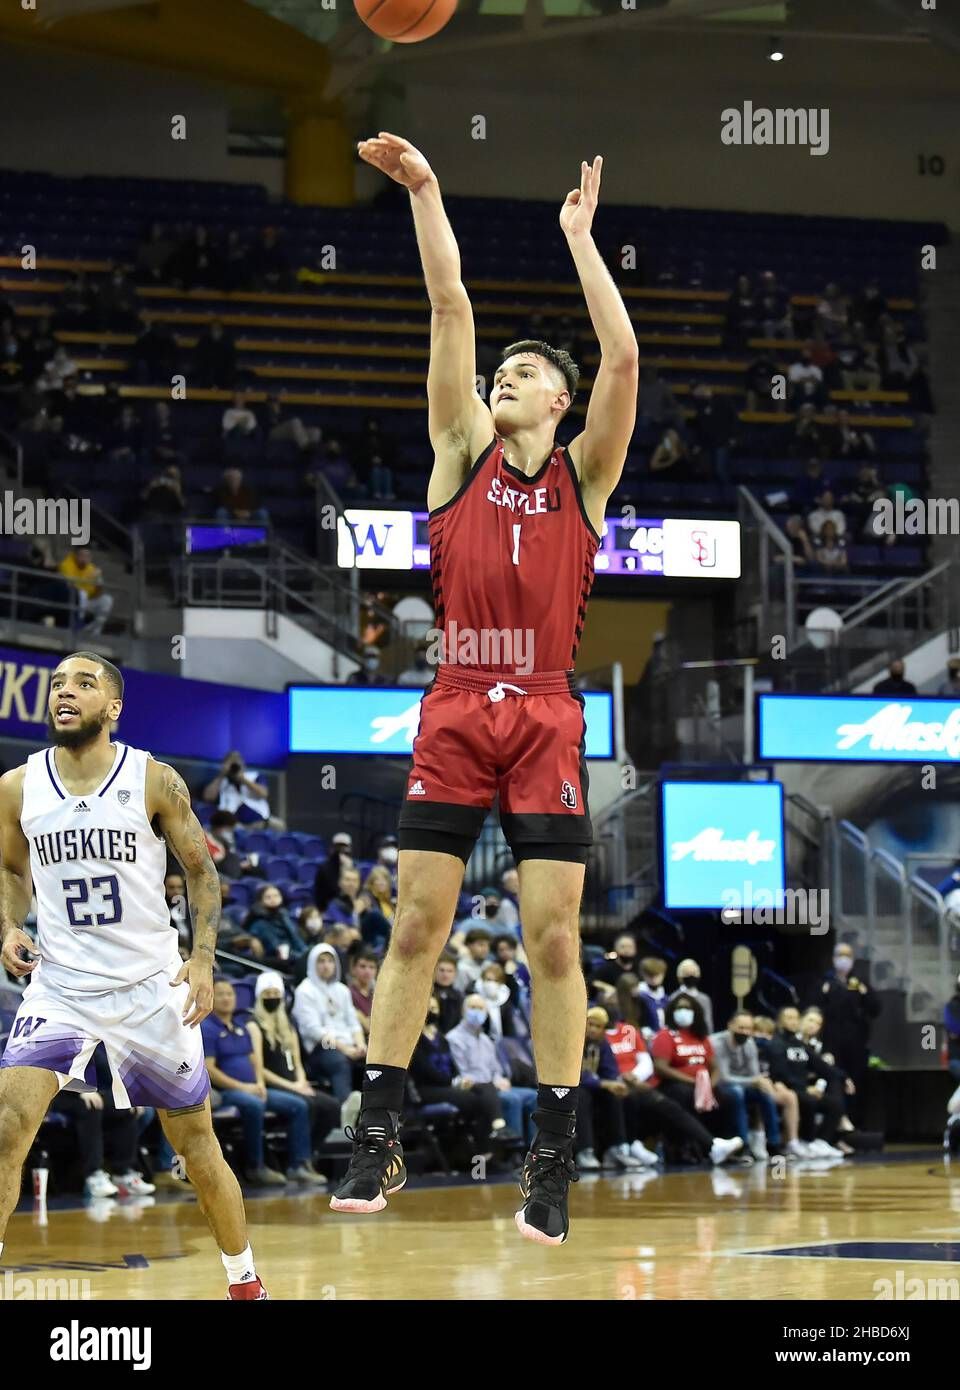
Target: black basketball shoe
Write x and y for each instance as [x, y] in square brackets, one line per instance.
[376, 1170]
[548, 1170]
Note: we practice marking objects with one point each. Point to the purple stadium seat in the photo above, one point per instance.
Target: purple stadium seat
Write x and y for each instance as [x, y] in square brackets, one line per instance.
[279, 868]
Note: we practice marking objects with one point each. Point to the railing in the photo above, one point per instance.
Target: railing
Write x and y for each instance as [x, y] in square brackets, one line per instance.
[763, 542]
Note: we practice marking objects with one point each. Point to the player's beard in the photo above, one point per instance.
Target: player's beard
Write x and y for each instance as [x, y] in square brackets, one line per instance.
[78, 735]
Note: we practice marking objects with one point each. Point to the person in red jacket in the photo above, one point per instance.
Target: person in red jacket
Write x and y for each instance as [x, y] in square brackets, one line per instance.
[682, 1049]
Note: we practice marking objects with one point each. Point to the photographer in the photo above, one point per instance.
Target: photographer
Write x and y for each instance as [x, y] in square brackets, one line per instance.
[236, 789]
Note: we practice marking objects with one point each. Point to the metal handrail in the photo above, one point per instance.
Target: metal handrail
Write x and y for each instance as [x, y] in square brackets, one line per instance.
[770, 531]
[904, 588]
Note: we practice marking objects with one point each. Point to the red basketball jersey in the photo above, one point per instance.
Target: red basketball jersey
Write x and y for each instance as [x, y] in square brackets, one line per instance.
[511, 560]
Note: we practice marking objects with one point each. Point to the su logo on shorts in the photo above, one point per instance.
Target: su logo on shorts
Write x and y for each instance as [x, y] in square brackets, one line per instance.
[568, 795]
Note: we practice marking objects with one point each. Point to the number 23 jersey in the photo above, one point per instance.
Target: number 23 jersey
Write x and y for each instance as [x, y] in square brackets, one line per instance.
[98, 871]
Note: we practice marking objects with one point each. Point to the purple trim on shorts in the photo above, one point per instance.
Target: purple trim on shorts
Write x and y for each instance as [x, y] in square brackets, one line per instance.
[57, 1053]
[149, 1080]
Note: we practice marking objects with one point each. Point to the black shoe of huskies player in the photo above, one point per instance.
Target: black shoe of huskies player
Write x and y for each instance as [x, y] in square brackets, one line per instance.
[548, 1170]
[376, 1170]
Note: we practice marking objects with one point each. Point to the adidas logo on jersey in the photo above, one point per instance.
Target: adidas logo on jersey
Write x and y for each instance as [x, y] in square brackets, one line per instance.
[418, 789]
[560, 1091]
[81, 806]
[372, 1075]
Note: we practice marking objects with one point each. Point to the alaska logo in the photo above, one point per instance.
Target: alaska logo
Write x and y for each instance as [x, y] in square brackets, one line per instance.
[568, 795]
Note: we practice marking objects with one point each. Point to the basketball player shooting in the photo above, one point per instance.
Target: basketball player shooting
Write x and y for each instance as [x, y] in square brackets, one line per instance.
[87, 822]
[514, 521]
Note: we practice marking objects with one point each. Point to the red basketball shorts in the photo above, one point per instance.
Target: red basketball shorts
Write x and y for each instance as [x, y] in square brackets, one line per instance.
[486, 735]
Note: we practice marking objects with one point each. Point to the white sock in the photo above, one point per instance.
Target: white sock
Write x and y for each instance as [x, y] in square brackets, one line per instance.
[239, 1268]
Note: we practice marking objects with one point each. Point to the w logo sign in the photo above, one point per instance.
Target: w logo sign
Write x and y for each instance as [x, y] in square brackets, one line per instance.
[24, 1027]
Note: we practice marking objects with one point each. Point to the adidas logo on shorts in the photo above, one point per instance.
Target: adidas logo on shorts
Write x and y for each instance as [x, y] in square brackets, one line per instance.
[183, 1068]
[418, 789]
[560, 1091]
[372, 1075]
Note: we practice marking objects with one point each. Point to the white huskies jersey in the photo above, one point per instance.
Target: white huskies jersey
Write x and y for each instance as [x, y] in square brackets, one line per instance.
[98, 871]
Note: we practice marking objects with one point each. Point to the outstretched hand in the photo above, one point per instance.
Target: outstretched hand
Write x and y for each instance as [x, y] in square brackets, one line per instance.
[397, 158]
[576, 215]
[199, 1003]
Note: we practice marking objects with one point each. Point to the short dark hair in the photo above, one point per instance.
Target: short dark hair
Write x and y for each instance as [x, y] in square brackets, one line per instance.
[477, 934]
[448, 958]
[559, 357]
[112, 673]
[505, 937]
[364, 953]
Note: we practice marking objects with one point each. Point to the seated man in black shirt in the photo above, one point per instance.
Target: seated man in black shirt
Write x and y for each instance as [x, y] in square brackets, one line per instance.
[791, 1062]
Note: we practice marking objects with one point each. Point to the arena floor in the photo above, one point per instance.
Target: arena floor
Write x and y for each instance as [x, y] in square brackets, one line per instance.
[818, 1232]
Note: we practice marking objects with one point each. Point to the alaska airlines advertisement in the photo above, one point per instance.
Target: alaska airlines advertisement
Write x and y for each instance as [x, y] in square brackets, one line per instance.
[722, 844]
[858, 729]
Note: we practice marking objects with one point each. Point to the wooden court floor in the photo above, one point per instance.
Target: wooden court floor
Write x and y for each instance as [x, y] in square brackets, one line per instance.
[686, 1235]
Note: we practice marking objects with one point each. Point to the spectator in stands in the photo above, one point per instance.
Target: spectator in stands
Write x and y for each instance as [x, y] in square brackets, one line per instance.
[496, 993]
[46, 597]
[849, 1006]
[810, 487]
[310, 924]
[269, 264]
[449, 998]
[825, 511]
[865, 375]
[162, 496]
[684, 1063]
[368, 672]
[832, 311]
[236, 501]
[269, 922]
[806, 438]
[799, 538]
[852, 443]
[688, 982]
[507, 951]
[743, 314]
[860, 501]
[388, 853]
[670, 455]
[117, 306]
[175, 896]
[656, 405]
[235, 262]
[894, 683]
[238, 421]
[759, 383]
[950, 688]
[831, 550]
[76, 307]
[711, 431]
[476, 956]
[37, 346]
[215, 359]
[236, 789]
[327, 1021]
[195, 263]
[96, 604]
[232, 937]
[652, 972]
[476, 1059]
[791, 1061]
[162, 438]
[380, 480]
[421, 673]
[57, 370]
[773, 308]
[738, 1068]
[898, 361]
[123, 438]
[337, 470]
[435, 1075]
[364, 964]
[153, 256]
[805, 371]
[600, 1102]
[221, 836]
[283, 1065]
[281, 428]
[93, 1113]
[508, 913]
[634, 1005]
[379, 888]
[234, 1057]
[342, 907]
[869, 307]
[326, 884]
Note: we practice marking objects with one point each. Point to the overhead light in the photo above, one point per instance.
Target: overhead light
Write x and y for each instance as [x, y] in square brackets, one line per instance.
[775, 53]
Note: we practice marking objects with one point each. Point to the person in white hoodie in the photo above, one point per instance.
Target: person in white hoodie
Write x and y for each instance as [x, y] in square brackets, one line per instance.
[327, 1022]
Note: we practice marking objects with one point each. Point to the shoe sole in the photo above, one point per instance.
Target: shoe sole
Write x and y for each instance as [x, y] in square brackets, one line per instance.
[534, 1234]
[356, 1204]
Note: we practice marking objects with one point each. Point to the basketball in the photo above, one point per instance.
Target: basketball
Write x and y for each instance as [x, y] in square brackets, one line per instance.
[405, 21]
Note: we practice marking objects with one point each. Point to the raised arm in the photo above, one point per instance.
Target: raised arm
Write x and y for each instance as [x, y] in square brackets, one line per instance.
[15, 882]
[168, 807]
[600, 451]
[459, 422]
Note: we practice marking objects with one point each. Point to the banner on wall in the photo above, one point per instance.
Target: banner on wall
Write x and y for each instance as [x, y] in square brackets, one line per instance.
[858, 729]
[165, 714]
[722, 844]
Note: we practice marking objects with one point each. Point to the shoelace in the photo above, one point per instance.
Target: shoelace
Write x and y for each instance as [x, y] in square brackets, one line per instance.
[552, 1170]
[372, 1150]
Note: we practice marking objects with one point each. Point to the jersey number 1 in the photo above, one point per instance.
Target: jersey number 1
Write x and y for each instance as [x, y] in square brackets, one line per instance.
[516, 542]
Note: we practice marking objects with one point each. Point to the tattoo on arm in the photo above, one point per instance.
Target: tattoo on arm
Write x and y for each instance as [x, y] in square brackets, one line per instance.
[184, 834]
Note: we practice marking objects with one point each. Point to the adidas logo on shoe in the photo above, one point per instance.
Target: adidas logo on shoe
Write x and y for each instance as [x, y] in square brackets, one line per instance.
[560, 1091]
[372, 1075]
[81, 806]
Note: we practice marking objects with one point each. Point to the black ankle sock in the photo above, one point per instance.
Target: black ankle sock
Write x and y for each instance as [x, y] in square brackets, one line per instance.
[555, 1116]
[383, 1089]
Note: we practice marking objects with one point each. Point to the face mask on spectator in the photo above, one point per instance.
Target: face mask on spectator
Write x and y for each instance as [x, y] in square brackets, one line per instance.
[271, 1005]
[740, 1038]
[476, 1017]
[683, 1018]
[690, 982]
[842, 965]
[388, 854]
[313, 924]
